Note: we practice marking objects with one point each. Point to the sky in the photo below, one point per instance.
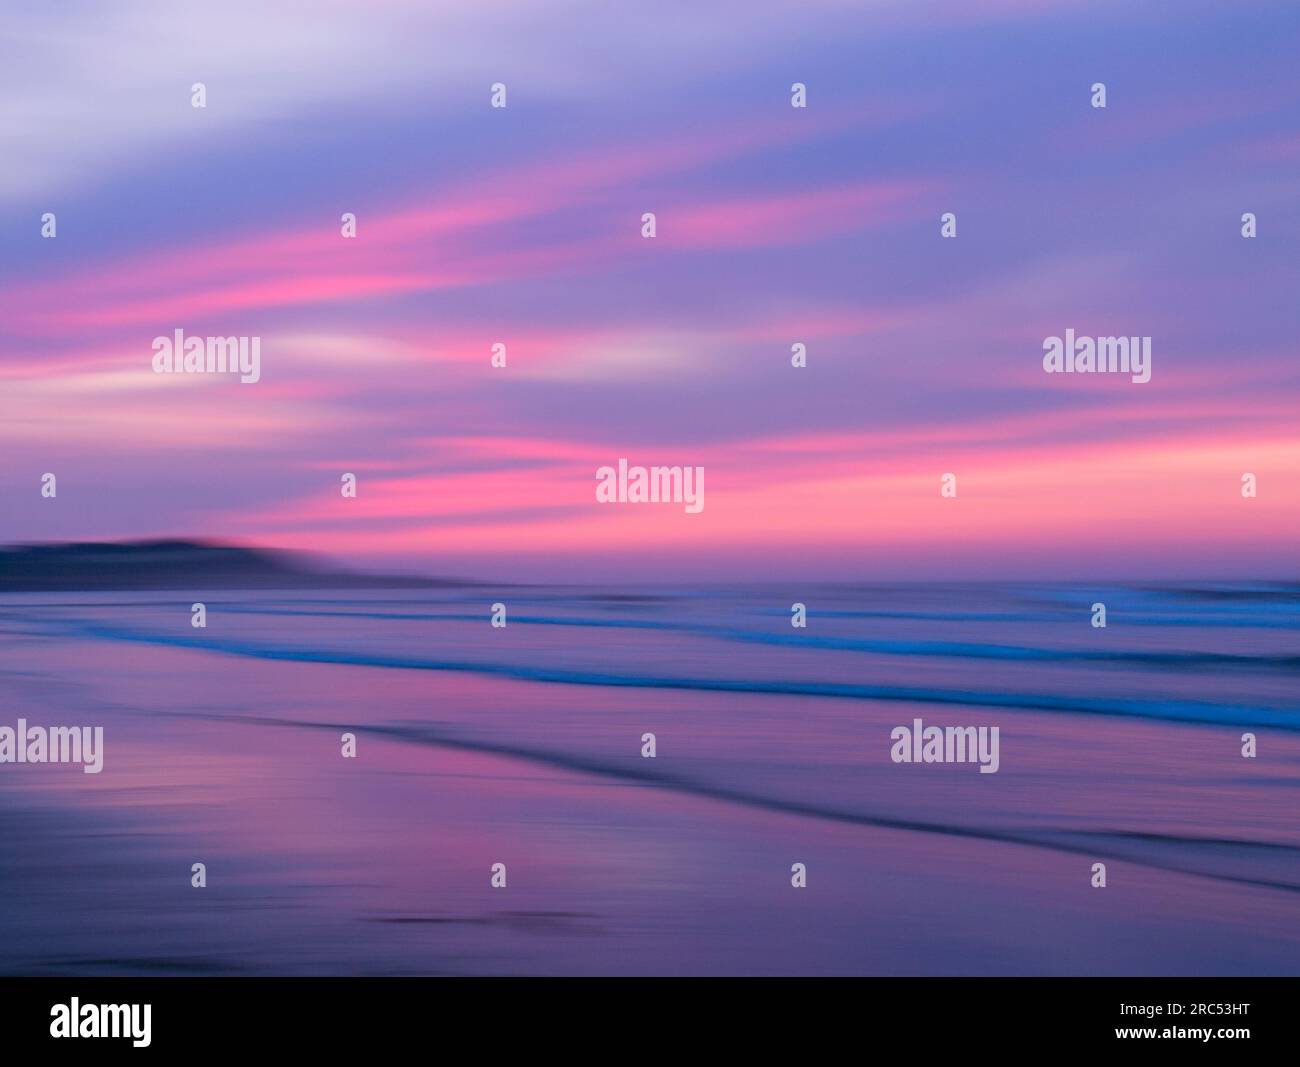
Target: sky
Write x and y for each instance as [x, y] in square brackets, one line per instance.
[775, 225]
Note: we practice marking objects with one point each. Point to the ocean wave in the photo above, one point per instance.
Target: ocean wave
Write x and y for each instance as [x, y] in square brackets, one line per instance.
[1176, 659]
[1182, 853]
[1174, 709]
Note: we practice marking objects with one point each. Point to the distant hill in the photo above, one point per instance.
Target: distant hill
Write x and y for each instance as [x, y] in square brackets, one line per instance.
[175, 564]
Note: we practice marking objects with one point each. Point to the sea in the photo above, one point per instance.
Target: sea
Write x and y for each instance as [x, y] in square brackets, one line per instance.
[1143, 819]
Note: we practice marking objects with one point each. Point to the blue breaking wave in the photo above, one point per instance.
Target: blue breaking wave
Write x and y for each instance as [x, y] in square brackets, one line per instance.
[1173, 709]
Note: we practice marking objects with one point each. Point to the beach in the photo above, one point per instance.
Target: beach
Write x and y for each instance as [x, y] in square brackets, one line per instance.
[522, 745]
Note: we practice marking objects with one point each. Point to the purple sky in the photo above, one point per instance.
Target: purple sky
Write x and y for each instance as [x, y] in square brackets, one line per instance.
[775, 225]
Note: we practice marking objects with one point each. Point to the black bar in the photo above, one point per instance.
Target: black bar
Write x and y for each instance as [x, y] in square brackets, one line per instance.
[613, 1019]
